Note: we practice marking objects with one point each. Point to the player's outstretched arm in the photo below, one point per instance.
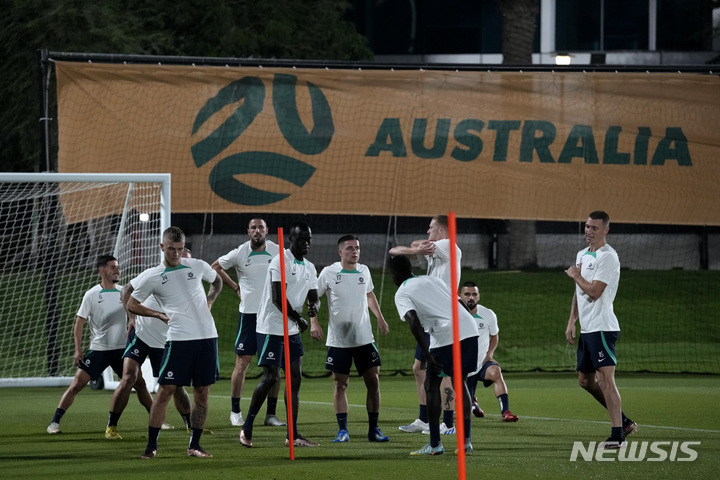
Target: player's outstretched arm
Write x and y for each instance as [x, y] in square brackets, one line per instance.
[418, 247]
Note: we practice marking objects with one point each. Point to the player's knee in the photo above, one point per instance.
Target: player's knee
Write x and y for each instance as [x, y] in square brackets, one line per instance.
[76, 388]
[493, 373]
[269, 378]
[242, 363]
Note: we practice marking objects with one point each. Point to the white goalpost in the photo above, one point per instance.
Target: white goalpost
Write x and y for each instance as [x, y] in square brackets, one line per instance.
[52, 228]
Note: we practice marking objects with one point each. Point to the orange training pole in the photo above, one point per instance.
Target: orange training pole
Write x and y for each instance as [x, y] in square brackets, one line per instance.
[286, 346]
[457, 356]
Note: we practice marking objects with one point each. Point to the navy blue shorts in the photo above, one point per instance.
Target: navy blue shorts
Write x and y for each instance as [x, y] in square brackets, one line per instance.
[186, 361]
[138, 350]
[272, 348]
[483, 371]
[419, 355]
[596, 350]
[246, 338]
[468, 354]
[339, 359]
[96, 361]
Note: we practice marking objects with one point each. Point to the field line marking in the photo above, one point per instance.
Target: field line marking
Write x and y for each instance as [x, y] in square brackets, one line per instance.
[524, 416]
[644, 425]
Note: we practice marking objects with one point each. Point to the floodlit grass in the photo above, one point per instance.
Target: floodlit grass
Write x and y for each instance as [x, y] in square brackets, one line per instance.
[554, 412]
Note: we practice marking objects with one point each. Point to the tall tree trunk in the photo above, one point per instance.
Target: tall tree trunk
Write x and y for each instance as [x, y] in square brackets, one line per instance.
[518, 32]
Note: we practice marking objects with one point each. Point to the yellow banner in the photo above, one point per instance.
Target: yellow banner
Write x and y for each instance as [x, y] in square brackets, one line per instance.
[518, 145]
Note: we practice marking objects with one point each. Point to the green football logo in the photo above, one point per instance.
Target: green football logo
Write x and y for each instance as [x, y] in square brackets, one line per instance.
[251, 92]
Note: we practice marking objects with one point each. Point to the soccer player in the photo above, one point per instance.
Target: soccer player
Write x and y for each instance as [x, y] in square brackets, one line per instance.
[349, 289]
[102, 309]
[597, 275]
[251, 261]
[191, 353]
[436, 250]
[146, 339]
[301, 280]
[426, 304]
[489, 371]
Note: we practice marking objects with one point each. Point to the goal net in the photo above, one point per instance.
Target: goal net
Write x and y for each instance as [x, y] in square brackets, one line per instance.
[52, 228]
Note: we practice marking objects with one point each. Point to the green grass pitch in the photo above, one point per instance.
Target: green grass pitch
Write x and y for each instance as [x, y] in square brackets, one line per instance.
[554, 412]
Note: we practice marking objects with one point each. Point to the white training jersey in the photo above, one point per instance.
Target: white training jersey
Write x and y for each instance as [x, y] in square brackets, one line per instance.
[104, 312]
[487, 325]
[151, 330]
[181, 295]
[439, 262]
[251, 268]
[347, 290]
[603, 265]
[300, 277]
[430, 298]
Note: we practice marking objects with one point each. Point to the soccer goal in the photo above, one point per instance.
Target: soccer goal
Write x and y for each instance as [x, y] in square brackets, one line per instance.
[52, 228]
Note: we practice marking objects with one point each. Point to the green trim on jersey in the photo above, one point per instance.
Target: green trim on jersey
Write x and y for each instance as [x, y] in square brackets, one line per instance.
[475, 315]
[265, 252]
[109, 290]
[592, 254]
[299, 262]
[607, 349]
[408, 279]
[349, 271]
[172, 269]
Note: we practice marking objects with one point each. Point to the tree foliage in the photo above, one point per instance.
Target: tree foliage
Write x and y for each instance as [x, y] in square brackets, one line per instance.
[288, 29]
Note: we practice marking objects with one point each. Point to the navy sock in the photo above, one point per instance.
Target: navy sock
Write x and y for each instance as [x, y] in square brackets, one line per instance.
[373, 420]
[342, 421]
[625, 419]
[448, 418]
[153, 434]
[272, 405]
[467, 423]
[504, 402]
[58, 415]
[235, 404]
[423, 415]
[195, 438]
[113, 419]
[617, 433]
